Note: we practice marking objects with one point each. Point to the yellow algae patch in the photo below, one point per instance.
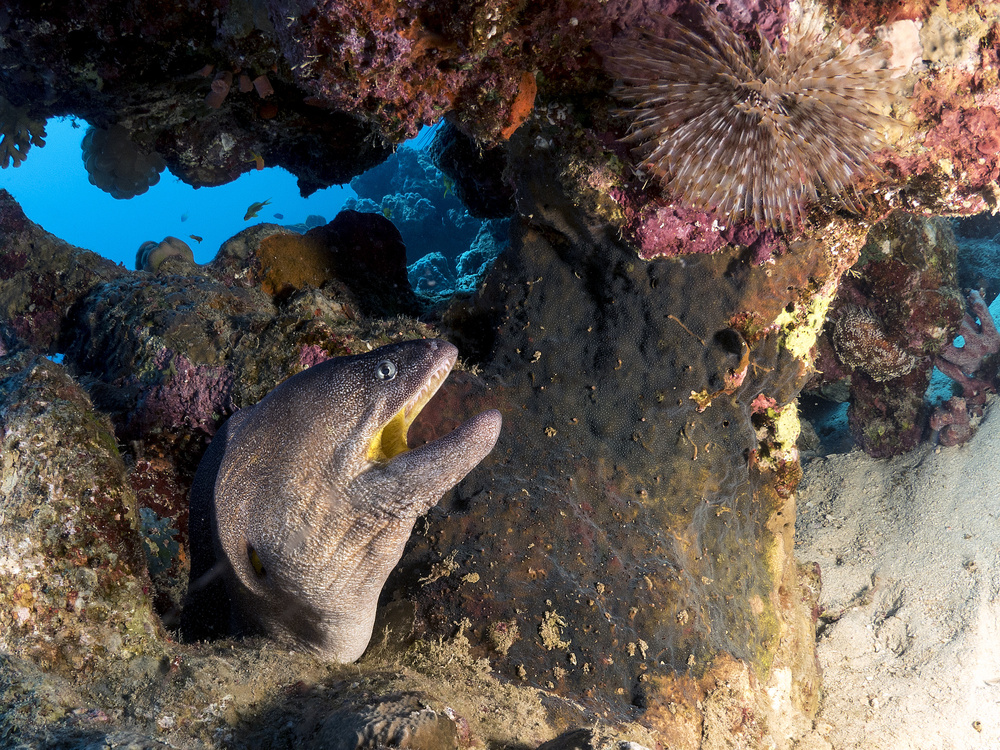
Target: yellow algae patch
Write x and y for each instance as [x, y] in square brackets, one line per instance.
[801, 327]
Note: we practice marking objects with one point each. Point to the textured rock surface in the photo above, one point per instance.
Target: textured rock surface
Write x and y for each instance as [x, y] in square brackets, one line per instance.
[631, 527]
[41, 278]
[627, 552]
[73, 584]
[906, 282]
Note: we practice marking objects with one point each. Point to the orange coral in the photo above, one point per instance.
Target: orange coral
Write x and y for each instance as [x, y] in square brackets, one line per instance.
[292, 261]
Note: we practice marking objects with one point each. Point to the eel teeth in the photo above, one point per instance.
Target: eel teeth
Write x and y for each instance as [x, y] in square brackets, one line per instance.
[427, 390]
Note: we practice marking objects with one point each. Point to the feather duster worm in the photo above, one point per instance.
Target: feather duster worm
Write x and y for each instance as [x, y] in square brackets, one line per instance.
[751, 135]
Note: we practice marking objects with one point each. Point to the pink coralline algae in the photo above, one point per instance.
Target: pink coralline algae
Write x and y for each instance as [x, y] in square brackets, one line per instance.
[670, 230]
[311, 355]
[675, 230]
[196, 396]
[958, 113]
[971, 140]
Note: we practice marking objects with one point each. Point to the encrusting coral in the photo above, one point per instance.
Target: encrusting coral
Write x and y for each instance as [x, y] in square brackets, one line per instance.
[117, 165]
[753, 134]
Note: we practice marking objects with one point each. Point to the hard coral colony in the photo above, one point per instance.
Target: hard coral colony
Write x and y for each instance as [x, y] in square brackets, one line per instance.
[752, 135]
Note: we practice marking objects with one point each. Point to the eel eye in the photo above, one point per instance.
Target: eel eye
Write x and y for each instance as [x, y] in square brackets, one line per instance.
[386, 370]
[255, 563]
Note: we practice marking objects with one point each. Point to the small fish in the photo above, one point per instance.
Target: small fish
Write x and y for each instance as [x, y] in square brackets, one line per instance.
[184, 216]
[279, 216]
[254, 208]
[257, 159]
[448, 185]
[387, 212]
[195, 237]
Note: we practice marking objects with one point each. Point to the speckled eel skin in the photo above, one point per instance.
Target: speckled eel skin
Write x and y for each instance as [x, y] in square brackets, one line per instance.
[303, 503]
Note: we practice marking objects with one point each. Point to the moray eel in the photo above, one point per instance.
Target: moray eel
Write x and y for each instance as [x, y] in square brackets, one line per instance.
[303, 503]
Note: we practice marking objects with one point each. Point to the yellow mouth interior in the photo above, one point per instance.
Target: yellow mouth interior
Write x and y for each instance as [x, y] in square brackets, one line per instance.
[390, 440]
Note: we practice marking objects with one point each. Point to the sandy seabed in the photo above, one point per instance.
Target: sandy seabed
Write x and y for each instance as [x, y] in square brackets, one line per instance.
[909, 636]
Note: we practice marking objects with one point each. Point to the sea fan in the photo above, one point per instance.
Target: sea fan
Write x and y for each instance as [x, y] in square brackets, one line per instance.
[751, 135]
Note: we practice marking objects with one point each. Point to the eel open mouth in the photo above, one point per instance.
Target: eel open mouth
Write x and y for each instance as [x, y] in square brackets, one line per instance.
[390, 440]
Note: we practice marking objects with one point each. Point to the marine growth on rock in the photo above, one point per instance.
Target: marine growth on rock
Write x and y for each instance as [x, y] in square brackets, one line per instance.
[117, 165]
[862, 344]
[18, 133]
[753, 135]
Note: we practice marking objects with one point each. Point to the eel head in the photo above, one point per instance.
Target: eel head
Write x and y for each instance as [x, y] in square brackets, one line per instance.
[317, 491]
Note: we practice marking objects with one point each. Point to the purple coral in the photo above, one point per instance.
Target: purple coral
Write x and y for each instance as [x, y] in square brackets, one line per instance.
[951, 422]
[980, 341]
[312, 354]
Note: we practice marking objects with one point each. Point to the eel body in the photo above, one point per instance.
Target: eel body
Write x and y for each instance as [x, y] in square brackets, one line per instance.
[303, 503]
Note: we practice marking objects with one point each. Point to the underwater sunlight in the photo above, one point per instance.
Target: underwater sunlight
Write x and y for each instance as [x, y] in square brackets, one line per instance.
[53, 189]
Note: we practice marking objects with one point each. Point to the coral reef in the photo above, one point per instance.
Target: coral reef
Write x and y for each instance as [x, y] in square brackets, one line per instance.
[151, 255]
[196, 346]
[72, 573]
[437, 279]
[448, 251]
[116, 165]
[750, 134]
[861, 343]
[626, 553]
[895, 312]
[18, 133]
[410, 191]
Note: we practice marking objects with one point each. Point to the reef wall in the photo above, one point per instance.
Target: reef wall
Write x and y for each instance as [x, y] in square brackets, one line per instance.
[624, 558]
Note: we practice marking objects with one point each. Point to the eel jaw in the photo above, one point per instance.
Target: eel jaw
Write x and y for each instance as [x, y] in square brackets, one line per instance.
[390, 439]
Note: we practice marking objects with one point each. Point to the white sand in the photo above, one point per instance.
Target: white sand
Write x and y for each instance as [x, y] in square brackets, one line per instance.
[910, 555]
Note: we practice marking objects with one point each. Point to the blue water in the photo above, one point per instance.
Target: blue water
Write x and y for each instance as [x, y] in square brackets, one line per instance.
[52, 188]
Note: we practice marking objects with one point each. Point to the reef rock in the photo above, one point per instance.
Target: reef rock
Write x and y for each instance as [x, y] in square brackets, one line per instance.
[898, 309]
[73, 581]
[626, 542]
[41, 278]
